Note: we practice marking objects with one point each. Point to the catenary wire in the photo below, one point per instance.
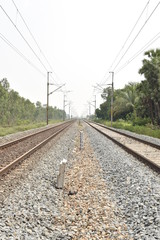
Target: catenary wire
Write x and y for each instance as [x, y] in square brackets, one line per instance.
[23, 38]
[31, 34]
[20, 53]
[130, 34]
[35, 40]
[132, 41]
[136, 36]
[155, 38]
[125, 42]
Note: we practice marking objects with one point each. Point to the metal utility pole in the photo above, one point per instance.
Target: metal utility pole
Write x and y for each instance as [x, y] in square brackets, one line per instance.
[95, 103]
[112, 98]
[64, 104]
[69, 110]
[47, 94]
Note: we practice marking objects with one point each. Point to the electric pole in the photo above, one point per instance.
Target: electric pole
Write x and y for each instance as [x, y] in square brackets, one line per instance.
[95, 103]
[47, 94]
[112, 98]
[64, 104]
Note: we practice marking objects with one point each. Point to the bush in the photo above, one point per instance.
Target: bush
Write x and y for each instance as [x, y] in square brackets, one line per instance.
[148, 129]
[141, 121]
[23, 122]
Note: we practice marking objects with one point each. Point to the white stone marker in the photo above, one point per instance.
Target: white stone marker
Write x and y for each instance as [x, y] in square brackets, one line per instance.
[81, 140]
[60, 177]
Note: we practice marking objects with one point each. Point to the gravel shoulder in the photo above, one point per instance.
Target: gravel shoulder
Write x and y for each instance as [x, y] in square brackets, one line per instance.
[14, 136]
[140, 136]
[87, 211]
[133, 186]
[31, 202]
[33, 208]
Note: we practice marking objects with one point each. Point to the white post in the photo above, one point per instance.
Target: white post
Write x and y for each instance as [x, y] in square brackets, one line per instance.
[60, 177]
[81, 140]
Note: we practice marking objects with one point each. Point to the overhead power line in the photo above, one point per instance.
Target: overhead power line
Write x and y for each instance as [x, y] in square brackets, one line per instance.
[24, 38]
[136, 36]
[124, 43]
[130, 34]
[35, 40]
[31, 34]
[20, 53]
[155, 38]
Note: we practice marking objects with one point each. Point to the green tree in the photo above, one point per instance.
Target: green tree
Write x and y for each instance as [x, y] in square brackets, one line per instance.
[15, 109]
[150, 88]
[125, 101]
[4, 87]
[103, 111]
[105, 108]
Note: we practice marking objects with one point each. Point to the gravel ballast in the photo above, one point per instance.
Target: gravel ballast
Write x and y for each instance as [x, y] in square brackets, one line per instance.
[140, 136]
[133, 186]
[87, 211]
[36, 209]
[29, 208]
[108, 194]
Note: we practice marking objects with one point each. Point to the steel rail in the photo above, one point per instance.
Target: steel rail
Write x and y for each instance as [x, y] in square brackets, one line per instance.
[129, 150]
[129, 136]
[10, 166]
[28, 136]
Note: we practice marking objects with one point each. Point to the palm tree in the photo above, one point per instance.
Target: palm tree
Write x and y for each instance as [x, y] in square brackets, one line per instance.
[125, 100]
[151, 71]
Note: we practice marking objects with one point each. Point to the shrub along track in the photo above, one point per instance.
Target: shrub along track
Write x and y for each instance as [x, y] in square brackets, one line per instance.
[146, 151]
[12, 153]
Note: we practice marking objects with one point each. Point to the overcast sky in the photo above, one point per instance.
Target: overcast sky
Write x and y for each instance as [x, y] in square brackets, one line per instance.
[80, 39]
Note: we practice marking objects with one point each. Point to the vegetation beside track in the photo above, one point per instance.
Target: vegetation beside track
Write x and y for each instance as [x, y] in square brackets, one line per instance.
[20, 114]
[148, 130]
[136, 107]
[16, 110]
[23, 127]
[138, 103]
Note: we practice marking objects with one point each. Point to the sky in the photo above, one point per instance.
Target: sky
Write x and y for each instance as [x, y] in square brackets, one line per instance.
[79, 42]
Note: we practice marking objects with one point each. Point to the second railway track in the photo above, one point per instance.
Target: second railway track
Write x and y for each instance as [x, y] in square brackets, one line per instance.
[146, 151]
[14, 152]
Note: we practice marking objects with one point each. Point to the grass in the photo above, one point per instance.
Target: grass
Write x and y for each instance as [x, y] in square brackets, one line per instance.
[23, 127]
[145, 130]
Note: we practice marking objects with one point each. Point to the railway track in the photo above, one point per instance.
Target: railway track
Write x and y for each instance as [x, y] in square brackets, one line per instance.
[146, 151]
[12, 153]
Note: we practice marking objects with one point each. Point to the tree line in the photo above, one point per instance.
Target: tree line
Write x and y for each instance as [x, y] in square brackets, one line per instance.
[15, 110]
[137, 102]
